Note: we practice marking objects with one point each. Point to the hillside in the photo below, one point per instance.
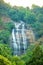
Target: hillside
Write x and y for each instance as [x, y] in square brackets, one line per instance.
[21, 35]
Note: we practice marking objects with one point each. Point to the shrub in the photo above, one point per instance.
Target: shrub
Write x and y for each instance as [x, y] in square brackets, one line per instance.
[4, 61]
[18, 61]
[5, 51]
[37, 57]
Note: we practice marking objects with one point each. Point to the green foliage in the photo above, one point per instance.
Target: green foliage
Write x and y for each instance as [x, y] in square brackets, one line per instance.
[13, 13]
[9, 26]
[4, 8]
[17, 60]
[26, 57]
[40, 18]
[34, 18]
[37, 9]
[37, 57]
[38, 28]
[4, 61]
[5, 51]
[1, 22]
[23, 14]
[13, 63]
[30, 18]
[38, 25]
[4, 36]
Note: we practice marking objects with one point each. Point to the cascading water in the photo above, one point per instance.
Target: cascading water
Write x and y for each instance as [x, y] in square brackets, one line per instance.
[14, 42]
[24, 37]
[19, 38]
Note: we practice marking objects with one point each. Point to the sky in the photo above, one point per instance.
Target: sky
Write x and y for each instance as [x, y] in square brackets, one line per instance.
[24, 3]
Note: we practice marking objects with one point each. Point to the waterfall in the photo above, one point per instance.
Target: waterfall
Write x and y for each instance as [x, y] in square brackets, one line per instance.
[19, 38]
[14, 42]
[24, 37]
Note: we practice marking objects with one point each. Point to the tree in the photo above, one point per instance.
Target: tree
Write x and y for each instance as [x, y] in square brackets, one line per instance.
[26, 57]
[40, 18]
[37, 9]
[9, 26]
[4, 8]
[1, 23]
[4, 61]
[37, 57]
[13, 13]
[4, 36]
[5, 50]
[17, 60]
[30, 18]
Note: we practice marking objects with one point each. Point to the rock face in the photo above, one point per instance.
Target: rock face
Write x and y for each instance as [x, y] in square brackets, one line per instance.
[21, 38]
[30, 36]
[6, 19]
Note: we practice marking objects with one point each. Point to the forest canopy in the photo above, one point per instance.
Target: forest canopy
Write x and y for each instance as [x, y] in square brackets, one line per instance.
[32, 17]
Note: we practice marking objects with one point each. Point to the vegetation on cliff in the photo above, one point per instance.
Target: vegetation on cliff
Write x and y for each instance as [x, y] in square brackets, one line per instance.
[32, 17]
